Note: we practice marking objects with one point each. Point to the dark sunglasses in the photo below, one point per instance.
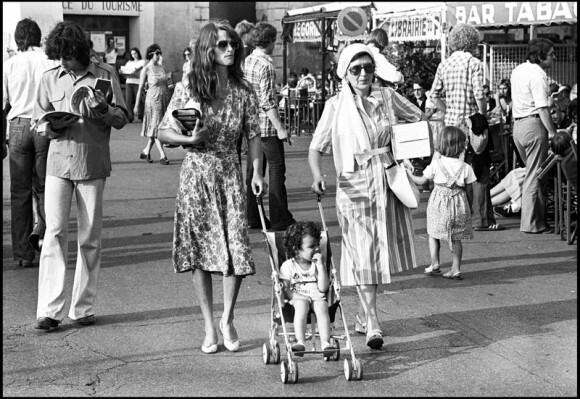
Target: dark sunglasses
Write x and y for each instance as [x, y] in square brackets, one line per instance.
[157, 52]
[355, 70]
[223, 45]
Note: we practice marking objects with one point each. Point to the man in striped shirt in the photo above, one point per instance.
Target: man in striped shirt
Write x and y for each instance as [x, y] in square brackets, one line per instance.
[259, 71]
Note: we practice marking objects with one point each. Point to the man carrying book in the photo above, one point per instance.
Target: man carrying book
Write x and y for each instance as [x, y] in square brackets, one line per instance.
[78, 164]
[28, 150]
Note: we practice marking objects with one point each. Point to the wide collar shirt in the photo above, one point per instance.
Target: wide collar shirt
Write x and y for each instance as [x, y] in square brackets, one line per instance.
[82, 152]
[530, 90]
[21, 75]
[462, 87]
[260, 72]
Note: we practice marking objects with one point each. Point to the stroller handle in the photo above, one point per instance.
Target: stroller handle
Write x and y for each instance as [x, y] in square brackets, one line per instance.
[319, 201]
[261, 212]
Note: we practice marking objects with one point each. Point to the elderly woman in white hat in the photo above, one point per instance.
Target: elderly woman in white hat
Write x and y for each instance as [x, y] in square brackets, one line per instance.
[377, 230]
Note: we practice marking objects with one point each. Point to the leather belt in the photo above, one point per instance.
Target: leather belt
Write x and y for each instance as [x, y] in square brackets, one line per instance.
[529, 116]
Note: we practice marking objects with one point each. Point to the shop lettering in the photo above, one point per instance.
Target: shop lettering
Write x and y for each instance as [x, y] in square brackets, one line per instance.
[306, 31]
[102, 7]
[418, 28]
[515, 12]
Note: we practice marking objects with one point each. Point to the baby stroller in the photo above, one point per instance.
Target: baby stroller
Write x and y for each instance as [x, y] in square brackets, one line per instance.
[282, 312]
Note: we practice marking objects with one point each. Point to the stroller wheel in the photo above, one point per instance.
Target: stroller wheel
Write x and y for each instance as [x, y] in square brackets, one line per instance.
[347, 370]
[284, 371]
[276, 353]
[294, 372]
[358, 369]
[266, 353]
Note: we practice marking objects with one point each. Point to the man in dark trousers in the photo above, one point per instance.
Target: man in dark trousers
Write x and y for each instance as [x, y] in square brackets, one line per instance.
[28, 150]
[259, 70]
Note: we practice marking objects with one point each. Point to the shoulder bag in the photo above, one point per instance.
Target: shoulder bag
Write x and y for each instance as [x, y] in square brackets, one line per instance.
[476, 142]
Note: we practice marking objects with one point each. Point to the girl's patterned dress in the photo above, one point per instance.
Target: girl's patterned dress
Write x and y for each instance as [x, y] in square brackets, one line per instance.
[156, 100]
[211, 225]
[448, 213]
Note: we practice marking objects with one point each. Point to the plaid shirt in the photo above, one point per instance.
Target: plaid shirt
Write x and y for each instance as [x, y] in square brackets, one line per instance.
[452, 77]
[259, 70]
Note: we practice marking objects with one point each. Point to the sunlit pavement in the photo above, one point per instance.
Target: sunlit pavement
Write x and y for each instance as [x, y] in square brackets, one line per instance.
[507, 329]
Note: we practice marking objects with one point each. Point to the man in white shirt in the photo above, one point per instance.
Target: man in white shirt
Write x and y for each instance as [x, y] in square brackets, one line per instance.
[532, 125]
[28, 150]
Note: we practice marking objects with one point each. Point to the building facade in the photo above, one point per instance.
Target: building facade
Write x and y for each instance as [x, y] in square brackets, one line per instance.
[172, 25]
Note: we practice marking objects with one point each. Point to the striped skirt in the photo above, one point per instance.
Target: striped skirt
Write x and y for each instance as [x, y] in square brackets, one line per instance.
[377, 229]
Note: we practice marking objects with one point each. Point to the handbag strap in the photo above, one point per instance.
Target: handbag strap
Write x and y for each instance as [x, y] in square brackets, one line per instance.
[466, 84]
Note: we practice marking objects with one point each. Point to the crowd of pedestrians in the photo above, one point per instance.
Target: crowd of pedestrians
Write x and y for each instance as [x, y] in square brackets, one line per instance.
[233, 92]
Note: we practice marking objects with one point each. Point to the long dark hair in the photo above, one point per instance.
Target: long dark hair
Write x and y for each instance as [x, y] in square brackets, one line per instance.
[135, 49]
[203, 75]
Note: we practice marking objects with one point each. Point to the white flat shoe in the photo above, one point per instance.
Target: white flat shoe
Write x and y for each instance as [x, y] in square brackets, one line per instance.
[232, 346]
[211, 348]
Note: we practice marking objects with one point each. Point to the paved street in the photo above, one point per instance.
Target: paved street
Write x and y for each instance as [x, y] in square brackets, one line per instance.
[508, 329]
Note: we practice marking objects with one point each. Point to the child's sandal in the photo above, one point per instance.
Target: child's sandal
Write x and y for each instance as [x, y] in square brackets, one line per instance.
[453, 276]
[433, 269]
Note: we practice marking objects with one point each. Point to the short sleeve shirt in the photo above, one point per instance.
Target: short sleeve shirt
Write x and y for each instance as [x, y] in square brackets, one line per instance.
[530, 90]
[303, 282]
[452, 165]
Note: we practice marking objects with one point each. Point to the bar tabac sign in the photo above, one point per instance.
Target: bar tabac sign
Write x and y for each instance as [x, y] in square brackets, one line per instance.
[513, 13]
[120, 8]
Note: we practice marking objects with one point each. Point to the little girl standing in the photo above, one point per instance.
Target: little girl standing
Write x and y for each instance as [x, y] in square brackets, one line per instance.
[449, 207]
[305, 282]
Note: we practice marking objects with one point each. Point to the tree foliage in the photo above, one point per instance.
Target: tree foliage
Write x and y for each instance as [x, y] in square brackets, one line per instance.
[415, 61]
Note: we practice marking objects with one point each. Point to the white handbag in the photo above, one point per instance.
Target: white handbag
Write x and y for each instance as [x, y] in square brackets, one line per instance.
[402, 185]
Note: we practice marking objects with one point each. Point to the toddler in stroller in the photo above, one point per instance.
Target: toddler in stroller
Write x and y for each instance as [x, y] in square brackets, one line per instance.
[305, 292]
[306, 282]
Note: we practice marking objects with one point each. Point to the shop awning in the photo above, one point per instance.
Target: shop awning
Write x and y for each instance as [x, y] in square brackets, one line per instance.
[502, 14]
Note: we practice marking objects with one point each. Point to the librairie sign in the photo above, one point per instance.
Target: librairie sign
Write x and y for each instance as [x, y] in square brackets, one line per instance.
[513, 13]
[120, 8]
[415, 27]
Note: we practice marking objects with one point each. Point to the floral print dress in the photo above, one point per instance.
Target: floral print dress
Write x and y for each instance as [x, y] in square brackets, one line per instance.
[211, 226]
[156, 100]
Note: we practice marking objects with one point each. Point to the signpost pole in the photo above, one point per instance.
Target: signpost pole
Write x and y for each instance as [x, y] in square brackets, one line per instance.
[323, 58]
[284, 60]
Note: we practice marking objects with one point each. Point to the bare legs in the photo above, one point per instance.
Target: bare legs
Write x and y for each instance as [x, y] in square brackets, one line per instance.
[368, 301]
[457, 253]
[148, 147]
[203, 286]
[301, 308]
[434, 247]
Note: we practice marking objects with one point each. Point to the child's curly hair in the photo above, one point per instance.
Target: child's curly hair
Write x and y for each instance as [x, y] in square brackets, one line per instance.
[294, 235]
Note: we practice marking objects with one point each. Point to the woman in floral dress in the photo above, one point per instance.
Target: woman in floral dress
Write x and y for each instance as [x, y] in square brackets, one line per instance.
[211, 228]
[156, 101]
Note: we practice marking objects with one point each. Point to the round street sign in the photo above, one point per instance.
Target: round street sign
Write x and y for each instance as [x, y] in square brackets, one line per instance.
[352, 21]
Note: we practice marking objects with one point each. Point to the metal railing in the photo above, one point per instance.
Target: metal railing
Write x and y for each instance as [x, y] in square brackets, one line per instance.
[505, 57]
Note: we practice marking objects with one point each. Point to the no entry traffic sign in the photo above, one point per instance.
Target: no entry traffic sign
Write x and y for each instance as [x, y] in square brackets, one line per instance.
[352, 21]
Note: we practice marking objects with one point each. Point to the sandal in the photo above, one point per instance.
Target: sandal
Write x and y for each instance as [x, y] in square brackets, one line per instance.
[453, 276]
[359, 326]
[491, 227]
[433, 269]
[375, 339]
